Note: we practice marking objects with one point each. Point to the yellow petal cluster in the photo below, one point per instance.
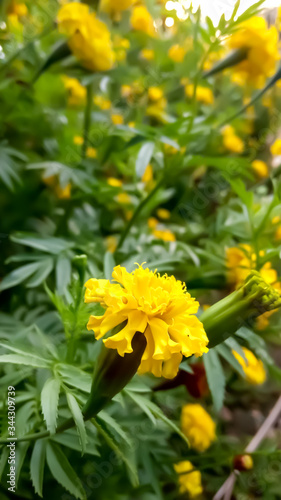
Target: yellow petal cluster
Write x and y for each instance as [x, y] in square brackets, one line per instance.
[112, 7]
[191, 481]
[198, 426]
[203, 94]
[88, 37]
[231, 141]
[157, 306]
[176, 53]
[141, 20]
[261, 168]
[261, 43]
[252, 366]
[76, 91]
[275, 148]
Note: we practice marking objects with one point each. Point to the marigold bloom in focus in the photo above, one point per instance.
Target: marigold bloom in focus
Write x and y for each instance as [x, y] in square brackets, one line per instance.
[141, 20]
[76, 91]
[191, 481]
[261, 168]
[253, 367]
[203, 94]
[231, 141]
[157, 306]
[88, 37]
[275, 148]
[262, 54]
[198, 426]
[176, 53]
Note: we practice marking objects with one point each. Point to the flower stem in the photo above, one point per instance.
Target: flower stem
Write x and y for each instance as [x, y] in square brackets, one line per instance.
[87, 119]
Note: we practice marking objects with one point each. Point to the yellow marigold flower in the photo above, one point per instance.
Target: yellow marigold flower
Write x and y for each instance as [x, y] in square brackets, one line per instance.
[278, 234]
[164, 234]
[78, 140]
[261, 44]
[203, 94]
[241, 260]
[170, 150]
[123, 198]
[176, 53]
[126, 90]
[198, 426]
[155, 94]
[63, 193]
[112, 7]
[141, 20]
[261, 168]
[191, 481]
[88, 37]
[152, 222]
[147, 54]
[76, 91]
[163, 213]
[117, 119]
[102, 102]
[111, 243]
[253, 367]
[18, 9]
[157, 306]
[275, 148]
[262, 321]
[91, 152]
[148, 174]
[112, 181]
[231, 141]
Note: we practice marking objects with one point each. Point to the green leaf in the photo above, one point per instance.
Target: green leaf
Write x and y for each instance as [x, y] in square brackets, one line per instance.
[37, 464]
[49, 403]
[63, 472]
[3, 460]
[226, 353]
[108, 265]
[111, 422]
[19, 275]
[144, 156]
[70, 440]
[51, 244]
[24, 359]
[63, 273]
[21, 450]
[215, 377]
[78, 419]
[235, 10]
[60, 51]
[45, 268]
[75, 377]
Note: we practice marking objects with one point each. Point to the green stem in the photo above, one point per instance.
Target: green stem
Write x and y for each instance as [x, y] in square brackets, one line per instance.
[137, 212]
[87, 119]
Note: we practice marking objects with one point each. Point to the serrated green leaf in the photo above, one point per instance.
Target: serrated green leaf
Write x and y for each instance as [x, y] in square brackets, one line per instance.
[49, 403]
[78, 419]
[24, 359]
[63, 273]
[215, 377]
[63, 472]
[21, 450]
[37, 464]
[19, 275]
[50, 244]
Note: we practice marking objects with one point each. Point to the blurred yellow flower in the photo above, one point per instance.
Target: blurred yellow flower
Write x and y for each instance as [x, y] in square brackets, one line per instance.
[117, 119]
[262, 54]
[176, 53]
[91, 152]
[112, 181]
[111, 243]
[261, 168]
[163, 213]
[141, 20]
[164, 234]
[152, 222]
[102, 102]
[275, 148]
[112, 7]
[203, 94]
[63, 193]
[17, 9]
[253, 367]
[231, 141]
[276, 219]
[147, 54]
[123, 198]
[78, 140]
[191, 482]
[155, 94]
[198, 426]
[126, 90]
[88, 37]
[76, 91]
[131, 124]
[278, 234]
[148, 174]
[157, 306]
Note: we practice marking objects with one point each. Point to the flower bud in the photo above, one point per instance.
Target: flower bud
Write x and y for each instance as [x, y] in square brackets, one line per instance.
[243, 462]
